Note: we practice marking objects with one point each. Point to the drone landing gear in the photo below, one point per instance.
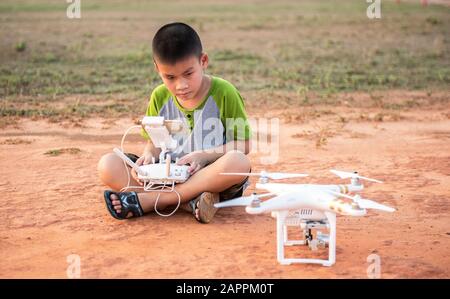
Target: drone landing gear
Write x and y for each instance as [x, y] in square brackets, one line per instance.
[321, 240]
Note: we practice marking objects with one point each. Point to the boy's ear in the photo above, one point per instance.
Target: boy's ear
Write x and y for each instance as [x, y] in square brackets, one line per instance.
[204, 60]
[156, 66]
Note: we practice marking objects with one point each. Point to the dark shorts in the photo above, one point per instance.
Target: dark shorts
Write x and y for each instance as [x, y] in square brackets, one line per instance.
[230, 193]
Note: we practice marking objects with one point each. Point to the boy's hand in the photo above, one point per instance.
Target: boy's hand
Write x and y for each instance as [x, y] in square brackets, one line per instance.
[197, 161]
[143, 160]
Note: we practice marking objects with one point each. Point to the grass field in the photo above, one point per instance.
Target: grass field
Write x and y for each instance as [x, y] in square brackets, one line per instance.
[53, 66]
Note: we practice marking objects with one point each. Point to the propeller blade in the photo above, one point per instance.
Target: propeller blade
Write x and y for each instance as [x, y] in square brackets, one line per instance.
[280, 176]
[370, 204]
[347, 175]
[365, 203]
[270, 175]
[241, 201]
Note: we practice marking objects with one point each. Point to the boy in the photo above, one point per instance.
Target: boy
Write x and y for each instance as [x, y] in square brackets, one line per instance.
[205, 104]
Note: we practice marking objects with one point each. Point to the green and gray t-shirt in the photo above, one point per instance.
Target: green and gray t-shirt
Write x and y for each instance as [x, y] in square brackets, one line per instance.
[219, 119]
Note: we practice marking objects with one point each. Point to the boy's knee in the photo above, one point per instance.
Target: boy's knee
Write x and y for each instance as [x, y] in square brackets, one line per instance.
[237, 161]
[107, 165]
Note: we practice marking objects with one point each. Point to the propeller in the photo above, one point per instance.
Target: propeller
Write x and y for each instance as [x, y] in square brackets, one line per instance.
[365, 203]
[352, 175]
[241, 201]
[270, 175]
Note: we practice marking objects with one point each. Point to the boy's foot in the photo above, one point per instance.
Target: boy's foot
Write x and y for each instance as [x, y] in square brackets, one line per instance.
[203, 206]
[122, 205]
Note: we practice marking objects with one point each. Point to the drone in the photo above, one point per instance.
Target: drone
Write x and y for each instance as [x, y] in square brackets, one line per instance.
[310, 207]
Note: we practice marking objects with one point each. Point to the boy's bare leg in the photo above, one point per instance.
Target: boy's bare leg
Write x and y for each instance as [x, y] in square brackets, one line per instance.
[113, 173]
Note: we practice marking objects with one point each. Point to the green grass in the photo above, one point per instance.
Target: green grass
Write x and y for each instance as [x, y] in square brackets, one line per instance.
[324, 47]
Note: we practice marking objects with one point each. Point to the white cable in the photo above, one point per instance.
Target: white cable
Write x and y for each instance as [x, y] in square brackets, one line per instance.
[125, 164]
[157, 199]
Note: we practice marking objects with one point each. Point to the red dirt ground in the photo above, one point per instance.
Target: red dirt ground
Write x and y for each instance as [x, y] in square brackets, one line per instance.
[53, 205]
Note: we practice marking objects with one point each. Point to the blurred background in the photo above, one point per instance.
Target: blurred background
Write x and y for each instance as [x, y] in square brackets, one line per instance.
[301, 52]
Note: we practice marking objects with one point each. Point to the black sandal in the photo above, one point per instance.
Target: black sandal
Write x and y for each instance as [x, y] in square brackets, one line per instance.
[129, 202]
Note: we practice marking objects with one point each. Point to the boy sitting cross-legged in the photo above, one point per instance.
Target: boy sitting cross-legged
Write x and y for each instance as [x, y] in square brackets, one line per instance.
[205, 104]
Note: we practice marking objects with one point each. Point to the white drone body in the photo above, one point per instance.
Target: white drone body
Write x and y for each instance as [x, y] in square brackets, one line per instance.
[164, 172]
[307, 206]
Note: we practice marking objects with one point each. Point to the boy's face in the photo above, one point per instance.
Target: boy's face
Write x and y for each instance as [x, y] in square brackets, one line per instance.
[184, 78]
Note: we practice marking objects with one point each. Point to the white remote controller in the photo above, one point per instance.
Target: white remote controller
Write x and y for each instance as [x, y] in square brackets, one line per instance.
[157, 173]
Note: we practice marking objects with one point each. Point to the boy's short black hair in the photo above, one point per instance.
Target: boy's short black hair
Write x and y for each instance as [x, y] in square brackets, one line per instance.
[174, 42]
